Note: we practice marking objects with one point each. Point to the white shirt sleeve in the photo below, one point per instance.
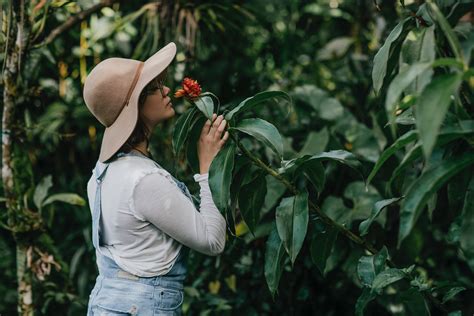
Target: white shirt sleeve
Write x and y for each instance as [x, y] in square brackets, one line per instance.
[157, 199]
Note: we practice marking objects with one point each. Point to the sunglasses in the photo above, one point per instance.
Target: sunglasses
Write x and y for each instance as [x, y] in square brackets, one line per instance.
[157, 83]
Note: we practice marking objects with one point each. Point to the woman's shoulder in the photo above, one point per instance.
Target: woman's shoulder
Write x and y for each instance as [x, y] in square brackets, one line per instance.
[138, 167]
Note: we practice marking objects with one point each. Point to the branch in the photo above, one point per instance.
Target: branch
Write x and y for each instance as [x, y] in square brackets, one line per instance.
[326, 219]
[73, 21]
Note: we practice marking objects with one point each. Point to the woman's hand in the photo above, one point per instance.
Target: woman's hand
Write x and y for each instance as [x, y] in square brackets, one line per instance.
[211, 141]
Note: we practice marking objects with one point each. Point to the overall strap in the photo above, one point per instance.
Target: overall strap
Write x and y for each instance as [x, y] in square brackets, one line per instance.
[99, 172]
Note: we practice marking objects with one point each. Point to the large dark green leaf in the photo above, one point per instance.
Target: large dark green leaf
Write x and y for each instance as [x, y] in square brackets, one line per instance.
[181, 129]
[251, 199]
[274, 260]
[322, 242]
[422, 188]
[431, 110]
[220, 175]
[255, 100]
[263, 131]
[378, 207]
[380, 69]
[370, 266]
[292, 222]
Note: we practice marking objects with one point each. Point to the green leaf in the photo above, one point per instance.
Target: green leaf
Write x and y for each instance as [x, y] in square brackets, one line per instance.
[251, 199]
[385, 278]
[385, 53]
[315, 143]
[378, 207]
[452, 293]
[419, 47]
[181, 129]
[366, 296]
[363, 199]
[255, 100]
[447, 134]
[205, 104]
[414, 303]
[275, 190]
[194, 133]
[466, 241]
[422, 188]
[292, 222]
[431, 110]
[370, 266]
[453, 41]
[220, 175]
[321, 246]
[399, 84]
[405, 139]
[315, 172]
[295, 165]
[70, 198]
[263, 131]
[326, 107]
[274, 260]
[41, 190]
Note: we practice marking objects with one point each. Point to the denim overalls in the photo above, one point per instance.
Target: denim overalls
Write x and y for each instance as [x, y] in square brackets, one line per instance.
[118, 292]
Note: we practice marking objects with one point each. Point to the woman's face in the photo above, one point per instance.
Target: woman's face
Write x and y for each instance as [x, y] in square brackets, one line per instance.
[157, 107]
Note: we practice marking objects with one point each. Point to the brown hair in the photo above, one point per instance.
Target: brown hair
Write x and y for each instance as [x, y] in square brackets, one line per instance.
[141, 131]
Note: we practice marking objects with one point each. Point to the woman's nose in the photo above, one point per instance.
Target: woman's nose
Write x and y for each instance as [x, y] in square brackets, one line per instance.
[166, 90]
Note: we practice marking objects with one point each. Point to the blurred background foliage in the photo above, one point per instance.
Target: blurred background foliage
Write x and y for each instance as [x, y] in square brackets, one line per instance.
[320, 52]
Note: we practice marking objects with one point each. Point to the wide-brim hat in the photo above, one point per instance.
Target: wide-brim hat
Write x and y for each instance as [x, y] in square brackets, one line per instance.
[111, 92]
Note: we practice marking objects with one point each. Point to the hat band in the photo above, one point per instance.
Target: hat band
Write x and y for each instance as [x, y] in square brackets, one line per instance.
[134, 83]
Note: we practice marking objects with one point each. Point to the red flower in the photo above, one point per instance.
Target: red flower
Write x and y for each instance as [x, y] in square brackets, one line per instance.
[191, 89]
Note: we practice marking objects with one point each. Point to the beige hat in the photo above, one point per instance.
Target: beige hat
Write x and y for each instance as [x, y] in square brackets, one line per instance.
[111, 92]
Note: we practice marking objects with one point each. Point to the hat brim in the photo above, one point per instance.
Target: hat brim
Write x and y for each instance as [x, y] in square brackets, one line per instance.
[117, 134]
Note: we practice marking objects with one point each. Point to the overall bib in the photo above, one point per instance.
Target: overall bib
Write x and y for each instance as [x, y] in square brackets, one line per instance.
[118, 292]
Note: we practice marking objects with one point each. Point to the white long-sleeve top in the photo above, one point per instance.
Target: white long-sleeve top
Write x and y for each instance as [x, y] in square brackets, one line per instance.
[146, 218]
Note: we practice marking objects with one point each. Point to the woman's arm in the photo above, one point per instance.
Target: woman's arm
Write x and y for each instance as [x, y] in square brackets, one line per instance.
[157, 199]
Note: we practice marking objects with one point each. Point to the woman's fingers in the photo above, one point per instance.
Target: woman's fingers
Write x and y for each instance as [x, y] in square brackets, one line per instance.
[220, 129]
[224, 138]
[207, 126]
[216, 124]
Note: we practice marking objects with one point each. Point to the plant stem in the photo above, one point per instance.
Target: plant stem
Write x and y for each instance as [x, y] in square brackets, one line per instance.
[325, 218]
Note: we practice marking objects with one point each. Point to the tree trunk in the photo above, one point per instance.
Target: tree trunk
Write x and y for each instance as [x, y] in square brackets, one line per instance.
[18, 32]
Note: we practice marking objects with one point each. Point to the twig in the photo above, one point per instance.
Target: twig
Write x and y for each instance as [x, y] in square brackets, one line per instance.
[74, 20]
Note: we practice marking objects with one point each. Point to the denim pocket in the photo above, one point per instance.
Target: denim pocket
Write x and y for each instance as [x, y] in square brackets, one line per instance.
[115, 309]
[126, 288]
[170, 299]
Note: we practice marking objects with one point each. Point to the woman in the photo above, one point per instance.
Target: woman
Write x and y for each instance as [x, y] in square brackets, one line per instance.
[142, 216]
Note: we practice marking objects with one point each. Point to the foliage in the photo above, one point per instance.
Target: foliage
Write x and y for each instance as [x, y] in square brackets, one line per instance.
[346, 121]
